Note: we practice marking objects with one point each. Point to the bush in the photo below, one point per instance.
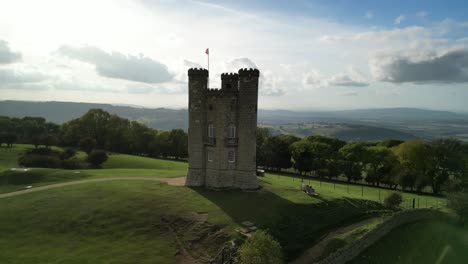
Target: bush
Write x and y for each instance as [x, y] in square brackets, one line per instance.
[393, 200]
[97, 157]
[87, 144]
[73, 164]
[260, 248]
[40, 161]
[68, 153]
[458, 202]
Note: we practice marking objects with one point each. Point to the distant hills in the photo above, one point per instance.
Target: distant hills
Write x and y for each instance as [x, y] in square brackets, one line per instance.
[361, 124]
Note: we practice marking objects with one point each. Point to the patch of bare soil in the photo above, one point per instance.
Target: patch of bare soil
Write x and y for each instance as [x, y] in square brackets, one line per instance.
[179, 181]
[198, 240]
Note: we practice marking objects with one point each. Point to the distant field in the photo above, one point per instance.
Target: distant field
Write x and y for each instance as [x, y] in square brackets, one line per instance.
[346, 132]
[420, 242]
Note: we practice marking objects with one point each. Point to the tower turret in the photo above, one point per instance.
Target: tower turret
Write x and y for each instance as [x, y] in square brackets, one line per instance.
[247, 116]
[229, 81]
[198, 81]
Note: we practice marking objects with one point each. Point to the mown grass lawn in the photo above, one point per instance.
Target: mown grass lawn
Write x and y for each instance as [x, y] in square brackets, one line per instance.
[120, 222]
[420, 242]
[117, 165]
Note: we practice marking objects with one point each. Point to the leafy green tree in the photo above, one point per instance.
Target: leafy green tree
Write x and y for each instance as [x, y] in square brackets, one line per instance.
[354, 157]
[161, 145]
[48, 141]
[141, 137]
[321, 153]
[393, 200]
[262, 134]
[276, 151]
[87, 144]
[97, 157]
[302, 154]
[335, 143]
[117, 134]
[260, 248]
[449, 161]
[380, 163]
[390, 143]
[9, 139]
[178, 141]
[416, 158]
[95, 124]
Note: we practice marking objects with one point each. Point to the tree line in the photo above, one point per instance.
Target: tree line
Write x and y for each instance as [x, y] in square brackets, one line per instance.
[412, 165]
[96, 129]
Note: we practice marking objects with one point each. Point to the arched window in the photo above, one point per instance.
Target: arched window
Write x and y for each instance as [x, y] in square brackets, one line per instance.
[211, 131]
[231, 156]
[232, 133]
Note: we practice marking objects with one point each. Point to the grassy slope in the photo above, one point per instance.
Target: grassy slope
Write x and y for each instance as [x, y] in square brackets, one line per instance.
[117, 165]
[119, 221]
[421, 242]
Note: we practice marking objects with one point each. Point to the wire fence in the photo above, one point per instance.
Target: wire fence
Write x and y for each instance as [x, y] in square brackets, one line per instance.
[373, 193]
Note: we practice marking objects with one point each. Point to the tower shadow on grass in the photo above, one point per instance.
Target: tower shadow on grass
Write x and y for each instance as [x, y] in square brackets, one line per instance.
[297, 226]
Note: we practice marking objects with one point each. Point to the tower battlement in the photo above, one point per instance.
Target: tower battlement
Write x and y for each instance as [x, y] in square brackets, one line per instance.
[222, 130]
[197, 71]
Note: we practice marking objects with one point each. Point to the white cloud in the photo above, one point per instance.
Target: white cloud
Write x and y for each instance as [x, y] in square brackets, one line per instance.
[240, 63]
[191, 64]
[7, 55]
[421, 66]
[369, 14]
[15, 76]
[399, 19]
[270, 85]
[350, 93]
[117, 65]
[139, 89]
[352, 78]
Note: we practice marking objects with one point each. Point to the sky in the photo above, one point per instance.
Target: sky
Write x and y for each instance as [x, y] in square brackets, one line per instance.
[312, 55]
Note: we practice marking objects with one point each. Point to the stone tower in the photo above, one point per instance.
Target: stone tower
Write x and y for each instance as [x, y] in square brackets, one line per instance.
[222, 130]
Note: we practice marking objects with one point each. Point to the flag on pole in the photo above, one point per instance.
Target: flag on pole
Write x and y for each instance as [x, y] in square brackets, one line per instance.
[207, 51]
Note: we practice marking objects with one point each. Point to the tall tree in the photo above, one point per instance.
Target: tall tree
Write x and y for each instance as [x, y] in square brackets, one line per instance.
[381, 163]
[416, 158]
[449, 160]
[276, 151]
[355, 157]
[263, 134]
[302, 153]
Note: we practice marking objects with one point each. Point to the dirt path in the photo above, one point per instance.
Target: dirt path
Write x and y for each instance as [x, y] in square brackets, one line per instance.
[179, 181]
[311, 254]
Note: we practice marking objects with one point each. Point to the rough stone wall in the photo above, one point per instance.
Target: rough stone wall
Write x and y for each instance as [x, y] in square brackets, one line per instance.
[248, 99]
[235, 103]
[198, 80]
[351, 251]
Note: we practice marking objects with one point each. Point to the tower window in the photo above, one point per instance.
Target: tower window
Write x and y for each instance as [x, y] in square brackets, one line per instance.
[232, 131]
[210, 107]
[210, 156]
[211, 131]
[231, 156]
[228, 86]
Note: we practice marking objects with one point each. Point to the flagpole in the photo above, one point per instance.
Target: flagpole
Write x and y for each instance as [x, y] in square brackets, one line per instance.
[208, 53]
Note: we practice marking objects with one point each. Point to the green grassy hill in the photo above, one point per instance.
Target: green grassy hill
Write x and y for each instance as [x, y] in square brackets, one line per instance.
[421, 242]
[116, 166]
[148, 222]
